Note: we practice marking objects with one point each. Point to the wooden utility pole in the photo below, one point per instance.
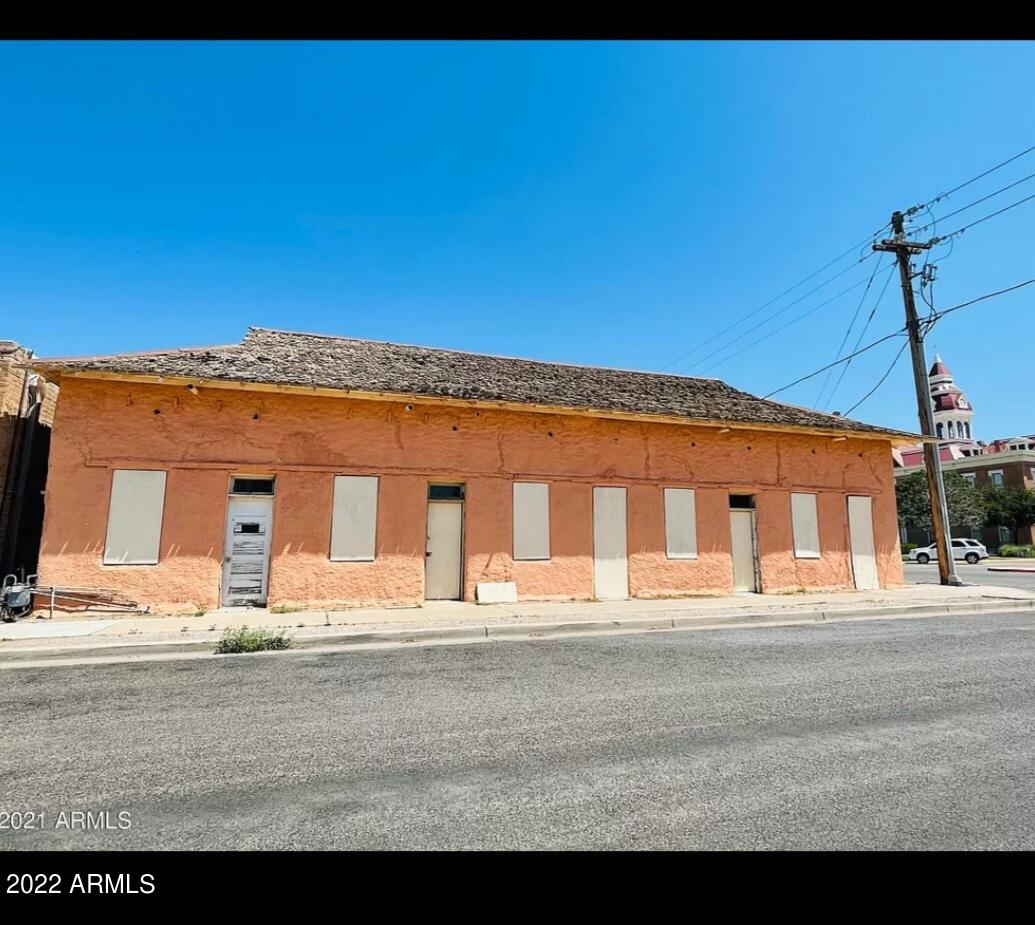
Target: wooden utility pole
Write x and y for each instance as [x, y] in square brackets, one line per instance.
[903, 251]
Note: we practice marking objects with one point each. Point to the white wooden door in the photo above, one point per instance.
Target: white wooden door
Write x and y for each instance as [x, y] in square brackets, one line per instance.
[742, 550]
[610, 553]
[860, 531]
[444, 556]
[246, 556]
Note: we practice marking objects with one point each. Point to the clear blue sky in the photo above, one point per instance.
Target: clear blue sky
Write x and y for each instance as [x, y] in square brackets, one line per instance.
[602, 203]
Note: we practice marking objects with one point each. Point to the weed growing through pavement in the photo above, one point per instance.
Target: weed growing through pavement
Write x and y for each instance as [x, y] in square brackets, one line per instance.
[244, 639]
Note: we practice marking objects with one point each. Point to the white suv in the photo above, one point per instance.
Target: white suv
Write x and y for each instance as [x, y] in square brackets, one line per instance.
[968, 550]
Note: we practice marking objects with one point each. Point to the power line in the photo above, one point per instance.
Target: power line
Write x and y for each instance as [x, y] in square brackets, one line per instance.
[971, 205]
[853, 249]
[937, 316]
[848, 330]
[823, 369]
[984, 218]
[783, 327]
[779, 312]
[887, 337]
[862, 334]
[943, 195]
[882, 379]
[932, 224]
[840, 257]
[966, 183]
[928, 282]
[950, 238]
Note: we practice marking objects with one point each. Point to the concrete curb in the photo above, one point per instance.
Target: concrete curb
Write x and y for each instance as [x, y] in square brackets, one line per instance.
[110, 650]
[1009, 568]
[541, 630]
[527, 631]
[360, 638]
[393, 637]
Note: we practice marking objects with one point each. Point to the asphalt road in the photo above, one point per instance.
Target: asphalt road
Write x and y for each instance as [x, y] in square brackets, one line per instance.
[892, 734]
[975, 574]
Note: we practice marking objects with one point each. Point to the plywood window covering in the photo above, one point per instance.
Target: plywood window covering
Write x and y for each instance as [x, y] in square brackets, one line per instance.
[135, 517]
[354, 518]
[805, 524]
[680, 523]
[531, 520]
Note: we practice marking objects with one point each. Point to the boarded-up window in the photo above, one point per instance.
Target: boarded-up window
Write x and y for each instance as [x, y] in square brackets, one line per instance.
[354, 518]
[531, 520]
[135, 517]
[805, 524]
[680, 523]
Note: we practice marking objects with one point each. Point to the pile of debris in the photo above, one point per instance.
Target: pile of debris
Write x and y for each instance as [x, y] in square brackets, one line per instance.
[20, 597]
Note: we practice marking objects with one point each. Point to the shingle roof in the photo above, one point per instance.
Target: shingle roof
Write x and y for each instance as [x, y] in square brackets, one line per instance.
[314, 360]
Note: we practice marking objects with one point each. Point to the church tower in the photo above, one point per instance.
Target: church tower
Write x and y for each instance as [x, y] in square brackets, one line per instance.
[952, 412]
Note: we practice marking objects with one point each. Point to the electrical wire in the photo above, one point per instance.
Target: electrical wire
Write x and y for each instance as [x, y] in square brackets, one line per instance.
[911, 211]
[853, 249]
[848, 330]
[862, 333]
[937, 316]
[934, 315]
[984, 218]
[880, 381]
[929, 323]
[928, 301]
[776, 314]
[925, 281]
[933, 224]
[970, 205]
[783, 327]
[966, 183]
[823, 369]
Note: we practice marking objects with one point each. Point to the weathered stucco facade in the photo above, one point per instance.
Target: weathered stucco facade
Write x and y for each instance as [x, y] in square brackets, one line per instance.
[202, 437]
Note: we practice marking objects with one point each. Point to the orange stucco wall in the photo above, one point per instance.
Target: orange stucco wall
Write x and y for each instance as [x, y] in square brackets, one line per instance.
[304, 441]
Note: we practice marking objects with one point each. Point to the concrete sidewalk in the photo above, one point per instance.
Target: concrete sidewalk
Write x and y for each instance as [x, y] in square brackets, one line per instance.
[440, 621]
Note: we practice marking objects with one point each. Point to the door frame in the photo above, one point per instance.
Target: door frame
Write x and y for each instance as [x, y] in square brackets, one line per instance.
[462, 502]
[266, 501]
[756, 565]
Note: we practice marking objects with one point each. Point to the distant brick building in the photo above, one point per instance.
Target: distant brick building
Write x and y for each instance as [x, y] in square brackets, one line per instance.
[26, 414]
[1007, 462]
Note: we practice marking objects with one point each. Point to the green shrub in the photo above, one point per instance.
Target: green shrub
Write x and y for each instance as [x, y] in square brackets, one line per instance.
[244, 639]
[1020, 552]
[907, 548]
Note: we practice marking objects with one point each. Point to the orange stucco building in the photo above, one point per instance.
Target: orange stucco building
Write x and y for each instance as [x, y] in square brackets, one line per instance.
[306, 471]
